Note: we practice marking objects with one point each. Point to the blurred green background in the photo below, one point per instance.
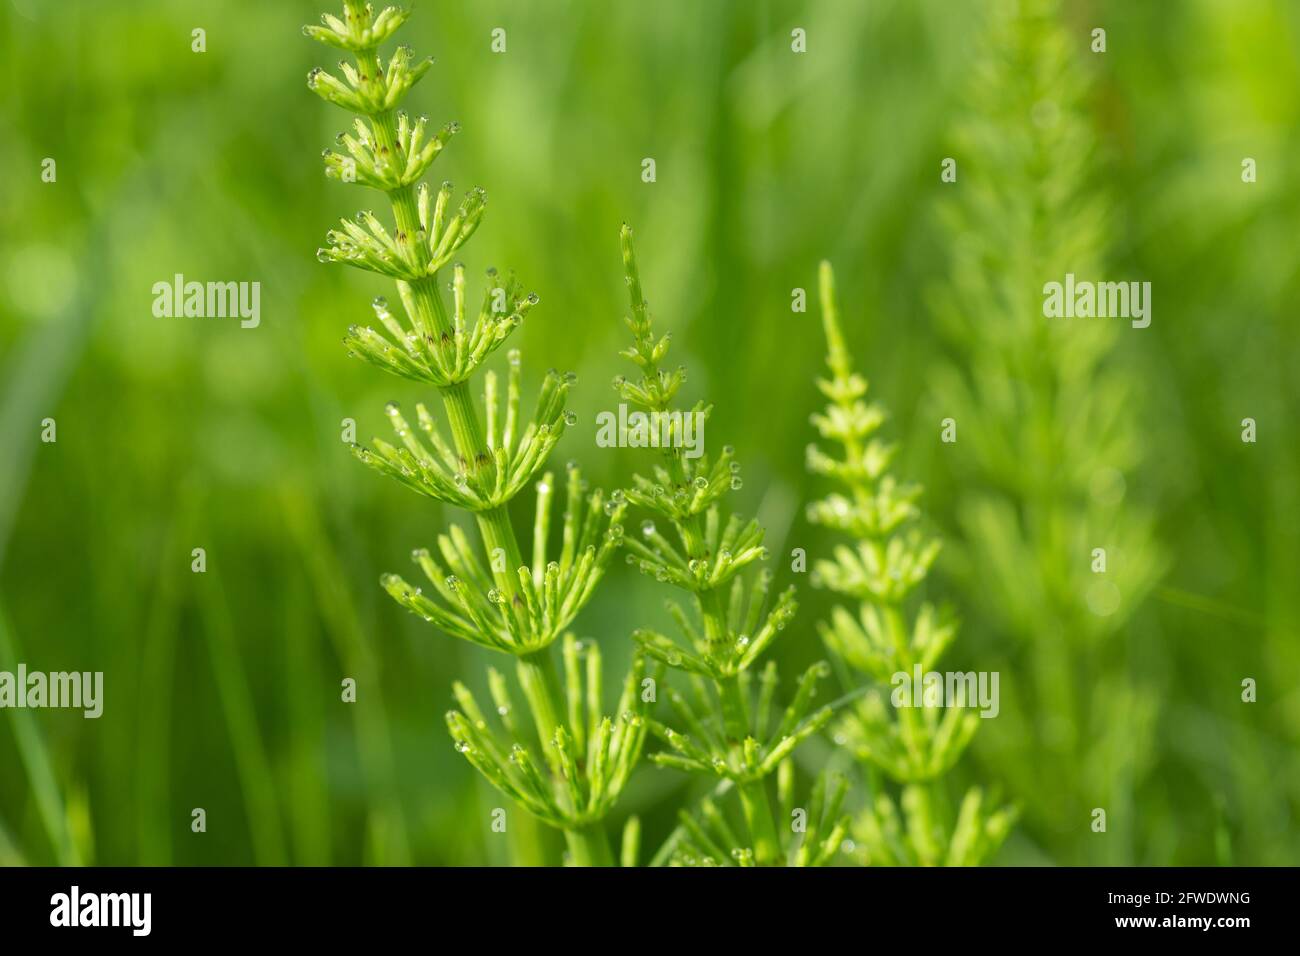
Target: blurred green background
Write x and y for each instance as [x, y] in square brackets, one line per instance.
[222, 689]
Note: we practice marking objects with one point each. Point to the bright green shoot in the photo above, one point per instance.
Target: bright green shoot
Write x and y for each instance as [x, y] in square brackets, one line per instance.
[912, 746]
[489, 596]
[728, 727]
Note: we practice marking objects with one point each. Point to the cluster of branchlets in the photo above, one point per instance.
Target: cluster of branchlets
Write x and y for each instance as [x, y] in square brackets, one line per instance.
[487, 595]
[727, 725]
[912, 746]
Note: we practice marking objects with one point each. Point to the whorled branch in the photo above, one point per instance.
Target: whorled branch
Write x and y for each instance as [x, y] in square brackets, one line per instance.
[467, 601]
[511, 457]
[586, 756]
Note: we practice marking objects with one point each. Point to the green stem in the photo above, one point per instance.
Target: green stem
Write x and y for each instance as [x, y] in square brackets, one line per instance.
[589, 846]
[462, 417]
[753, 794]
[540, 680]
[758, 817]
[714, 613]
[538, 675]
[537, 672]
[499, 536]
[911, 725]
[494, 524]
[918, 798]
[734, 716]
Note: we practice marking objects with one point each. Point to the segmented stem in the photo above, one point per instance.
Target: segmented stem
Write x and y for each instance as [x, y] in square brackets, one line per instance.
[537, 671]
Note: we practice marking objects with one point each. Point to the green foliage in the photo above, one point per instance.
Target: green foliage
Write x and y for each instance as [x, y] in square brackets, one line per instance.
[497, 474]
[728, 730]
[496, 600]
[591, 753]
[731, 729]
[1047, 430]
[816, 835]
[550, 592]
[913, 749]
[448, 357]
[180, 433]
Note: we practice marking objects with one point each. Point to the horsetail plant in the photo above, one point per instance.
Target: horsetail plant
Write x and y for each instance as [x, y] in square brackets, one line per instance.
[914, 748]
[568, 763]
[493, 598]
[724, 731]
[816, 835]
[591, 755]
[1048, 434]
